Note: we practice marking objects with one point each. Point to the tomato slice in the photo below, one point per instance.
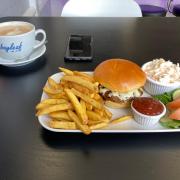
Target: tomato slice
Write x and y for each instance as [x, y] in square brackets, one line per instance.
[174, 104]
[175, 114]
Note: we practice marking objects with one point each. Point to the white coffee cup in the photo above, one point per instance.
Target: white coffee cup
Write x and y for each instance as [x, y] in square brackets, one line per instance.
[18, 39]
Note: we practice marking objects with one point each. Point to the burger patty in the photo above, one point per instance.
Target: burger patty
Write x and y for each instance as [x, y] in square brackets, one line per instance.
[106, 96]
[119, 97]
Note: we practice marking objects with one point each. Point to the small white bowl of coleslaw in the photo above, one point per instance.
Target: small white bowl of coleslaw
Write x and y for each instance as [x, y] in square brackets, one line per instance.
[162, 76]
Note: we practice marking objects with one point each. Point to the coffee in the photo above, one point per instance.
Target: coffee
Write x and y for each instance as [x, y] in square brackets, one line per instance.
[18, 39]
[11, 30]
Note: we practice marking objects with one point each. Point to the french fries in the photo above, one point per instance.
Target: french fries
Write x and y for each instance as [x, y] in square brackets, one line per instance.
[48, 102]
[54, 108]
[53, 83]
[87, 99]
[99, 111]
[66, 71]
[58, 96]
[74, 103]
[94, 116]
[83, 104]
[79, 80]
[98, 126]
[60, 115]
[52, 91]
[77, 106]
[62, 124]
[121, 119]
[81, 126]
[108, 113]
[88, 106]
[86, 76]
[78, 87]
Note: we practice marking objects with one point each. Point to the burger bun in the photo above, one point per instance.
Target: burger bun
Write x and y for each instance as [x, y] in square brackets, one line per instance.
[116, 105]
[120, 75]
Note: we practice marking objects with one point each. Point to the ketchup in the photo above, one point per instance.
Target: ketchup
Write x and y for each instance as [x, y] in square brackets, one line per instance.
[147, 106]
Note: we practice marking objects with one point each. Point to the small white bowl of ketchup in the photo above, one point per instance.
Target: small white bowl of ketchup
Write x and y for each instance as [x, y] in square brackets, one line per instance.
[147, 111]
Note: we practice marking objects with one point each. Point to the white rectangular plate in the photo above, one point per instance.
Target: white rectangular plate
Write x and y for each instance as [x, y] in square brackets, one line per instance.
[129, 126]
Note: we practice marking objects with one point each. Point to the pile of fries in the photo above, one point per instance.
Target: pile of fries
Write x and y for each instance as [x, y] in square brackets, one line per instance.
[74, 103]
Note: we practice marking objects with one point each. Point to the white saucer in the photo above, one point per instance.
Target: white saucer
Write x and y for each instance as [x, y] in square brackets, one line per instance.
[35, 55]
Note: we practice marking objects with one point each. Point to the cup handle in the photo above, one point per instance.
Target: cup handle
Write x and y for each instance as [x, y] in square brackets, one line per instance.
[42, 42]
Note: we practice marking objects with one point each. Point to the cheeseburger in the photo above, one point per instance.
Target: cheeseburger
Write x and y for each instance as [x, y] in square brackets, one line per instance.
[120, 81]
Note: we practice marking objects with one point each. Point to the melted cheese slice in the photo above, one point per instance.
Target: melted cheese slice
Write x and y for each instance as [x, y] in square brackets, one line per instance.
[122, 96]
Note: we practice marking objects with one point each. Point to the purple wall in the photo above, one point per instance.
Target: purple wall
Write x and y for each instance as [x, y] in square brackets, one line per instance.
[53, 8]
[157, 2]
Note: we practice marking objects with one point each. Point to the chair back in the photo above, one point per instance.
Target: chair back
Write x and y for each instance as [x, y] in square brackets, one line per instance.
[101, 8]
[169, 6]
[31, 11]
